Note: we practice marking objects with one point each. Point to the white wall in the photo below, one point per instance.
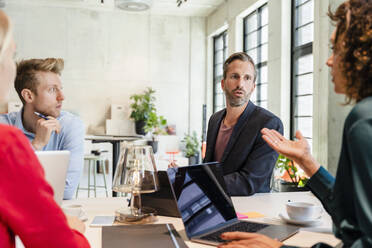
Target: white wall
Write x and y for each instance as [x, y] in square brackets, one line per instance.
[110, 55]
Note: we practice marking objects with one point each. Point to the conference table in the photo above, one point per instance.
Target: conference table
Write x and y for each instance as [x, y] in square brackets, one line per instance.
[268, 205]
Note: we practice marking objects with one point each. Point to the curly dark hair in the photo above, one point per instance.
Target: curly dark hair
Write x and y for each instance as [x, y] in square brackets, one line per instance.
[353, 42]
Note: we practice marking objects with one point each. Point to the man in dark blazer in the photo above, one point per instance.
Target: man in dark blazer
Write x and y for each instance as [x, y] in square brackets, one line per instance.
[234, 138]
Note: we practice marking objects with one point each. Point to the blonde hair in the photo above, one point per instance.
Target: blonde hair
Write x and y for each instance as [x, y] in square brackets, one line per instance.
[5, 33]
[27, 69]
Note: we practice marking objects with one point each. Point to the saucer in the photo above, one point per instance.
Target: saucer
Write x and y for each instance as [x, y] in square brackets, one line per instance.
[288, 220]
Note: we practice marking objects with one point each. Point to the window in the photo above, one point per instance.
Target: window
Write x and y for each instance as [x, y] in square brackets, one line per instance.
[302, 68]
[256, 45]
[219, 57]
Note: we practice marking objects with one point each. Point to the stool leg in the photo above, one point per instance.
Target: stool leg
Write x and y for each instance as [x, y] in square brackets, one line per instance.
[88, 178]
[95, 174]
[103, 164]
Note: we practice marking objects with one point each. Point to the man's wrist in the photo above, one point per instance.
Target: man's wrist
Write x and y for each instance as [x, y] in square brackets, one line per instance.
[37, 146]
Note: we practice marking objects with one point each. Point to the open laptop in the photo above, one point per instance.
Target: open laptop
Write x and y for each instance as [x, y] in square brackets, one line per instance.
[207, 211]
[55, 164]
[163, 200]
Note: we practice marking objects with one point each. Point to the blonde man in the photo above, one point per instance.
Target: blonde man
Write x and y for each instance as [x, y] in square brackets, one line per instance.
[39, 87]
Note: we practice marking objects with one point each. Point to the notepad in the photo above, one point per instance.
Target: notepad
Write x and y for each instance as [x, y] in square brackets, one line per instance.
[249, 215]
[141, 236]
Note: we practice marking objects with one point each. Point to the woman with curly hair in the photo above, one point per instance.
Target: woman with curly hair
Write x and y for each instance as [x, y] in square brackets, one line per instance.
[348, 197]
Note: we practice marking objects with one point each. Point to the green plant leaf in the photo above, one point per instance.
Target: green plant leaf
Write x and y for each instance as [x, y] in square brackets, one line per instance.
[192, 145]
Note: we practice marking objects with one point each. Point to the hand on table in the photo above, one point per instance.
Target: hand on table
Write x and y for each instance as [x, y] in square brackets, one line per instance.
[245, 239]
[75, 223]
[298, 150]
[43, 130]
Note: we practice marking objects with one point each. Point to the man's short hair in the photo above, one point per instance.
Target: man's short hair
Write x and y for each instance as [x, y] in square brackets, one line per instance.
[238, 56]
[27, 69]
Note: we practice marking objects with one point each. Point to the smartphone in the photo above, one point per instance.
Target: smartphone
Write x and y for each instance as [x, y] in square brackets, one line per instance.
[102, 221]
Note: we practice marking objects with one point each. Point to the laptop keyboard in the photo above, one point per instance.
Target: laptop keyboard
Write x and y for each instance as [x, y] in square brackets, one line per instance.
[240, 227]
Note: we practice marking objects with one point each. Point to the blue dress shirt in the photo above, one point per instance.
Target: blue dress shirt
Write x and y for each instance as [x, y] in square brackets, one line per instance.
[70, 138]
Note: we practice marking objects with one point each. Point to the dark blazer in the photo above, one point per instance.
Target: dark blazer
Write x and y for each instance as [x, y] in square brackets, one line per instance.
[247, 161]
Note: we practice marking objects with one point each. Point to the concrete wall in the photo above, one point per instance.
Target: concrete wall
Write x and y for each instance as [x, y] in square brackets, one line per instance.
[329, 111]
[110, 55]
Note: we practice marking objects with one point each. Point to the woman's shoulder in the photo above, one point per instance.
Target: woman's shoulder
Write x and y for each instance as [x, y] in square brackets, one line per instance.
[361, 112]
[10, 134]
[9, 130]
[360, 116]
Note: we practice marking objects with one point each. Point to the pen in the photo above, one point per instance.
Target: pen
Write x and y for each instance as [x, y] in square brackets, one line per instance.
[41, 115]
[174, 240]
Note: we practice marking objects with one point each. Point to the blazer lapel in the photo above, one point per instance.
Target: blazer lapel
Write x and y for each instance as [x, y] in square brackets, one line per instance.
[239, 126]
[213, 136]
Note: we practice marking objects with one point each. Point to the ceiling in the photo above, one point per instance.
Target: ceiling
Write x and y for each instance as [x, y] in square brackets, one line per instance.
[159, 7]
[189, 8]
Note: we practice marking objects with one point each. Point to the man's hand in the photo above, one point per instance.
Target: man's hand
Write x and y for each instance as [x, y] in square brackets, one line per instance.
[43, 130]
[75, 223]
[245, 239]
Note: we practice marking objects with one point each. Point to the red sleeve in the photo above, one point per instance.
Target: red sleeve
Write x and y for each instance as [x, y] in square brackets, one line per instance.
[27, 206]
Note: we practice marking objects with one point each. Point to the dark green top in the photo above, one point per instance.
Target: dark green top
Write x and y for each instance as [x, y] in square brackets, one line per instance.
[348, 198]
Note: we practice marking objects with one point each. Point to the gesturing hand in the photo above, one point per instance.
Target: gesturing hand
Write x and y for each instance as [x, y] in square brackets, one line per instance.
[43, 130]
[298, 151]
[245, 239]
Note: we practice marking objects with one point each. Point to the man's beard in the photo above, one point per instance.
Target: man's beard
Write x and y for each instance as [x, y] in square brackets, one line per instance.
[235, 101]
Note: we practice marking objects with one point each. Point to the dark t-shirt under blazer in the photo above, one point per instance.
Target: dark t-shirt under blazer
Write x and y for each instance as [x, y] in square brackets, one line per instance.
[247, 160]
[223, 136]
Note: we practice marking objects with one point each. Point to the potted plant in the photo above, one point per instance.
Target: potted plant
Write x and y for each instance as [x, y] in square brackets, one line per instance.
[191, 148]
[143, 105]
[291, 179]
[156, 125]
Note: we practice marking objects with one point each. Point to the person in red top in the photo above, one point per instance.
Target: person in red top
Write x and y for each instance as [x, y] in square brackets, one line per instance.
[27, 207]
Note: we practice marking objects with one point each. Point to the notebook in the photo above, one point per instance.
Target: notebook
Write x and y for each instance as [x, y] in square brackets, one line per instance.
[141, 236]
[207, 211]
[163, 200]
[55, 164]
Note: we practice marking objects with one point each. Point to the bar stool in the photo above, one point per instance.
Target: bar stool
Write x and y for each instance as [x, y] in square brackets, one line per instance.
[93, 161]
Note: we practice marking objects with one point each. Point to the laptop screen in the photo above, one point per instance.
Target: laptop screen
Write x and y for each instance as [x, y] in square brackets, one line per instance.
[201, 200]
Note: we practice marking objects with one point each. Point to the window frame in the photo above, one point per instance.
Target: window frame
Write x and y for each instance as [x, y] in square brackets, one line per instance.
[258, 11]
[296, 53]
[224, 36]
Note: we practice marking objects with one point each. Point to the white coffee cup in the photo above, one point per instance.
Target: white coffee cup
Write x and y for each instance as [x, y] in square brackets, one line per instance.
[303, 211]
[73, 210]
